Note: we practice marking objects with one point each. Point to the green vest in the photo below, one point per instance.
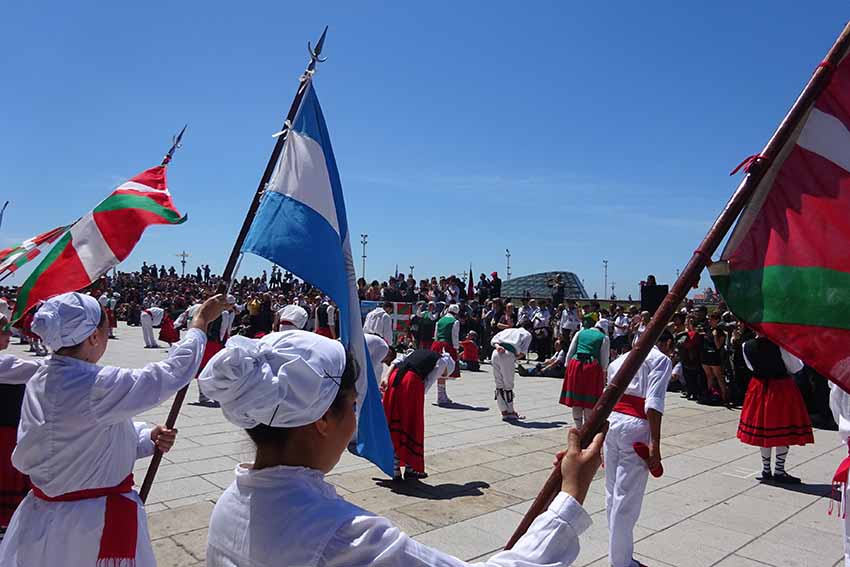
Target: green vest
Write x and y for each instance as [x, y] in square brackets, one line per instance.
[444, 328]
[589, 344]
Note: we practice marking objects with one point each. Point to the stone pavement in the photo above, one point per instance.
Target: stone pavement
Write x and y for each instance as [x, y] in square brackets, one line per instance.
[707, 509]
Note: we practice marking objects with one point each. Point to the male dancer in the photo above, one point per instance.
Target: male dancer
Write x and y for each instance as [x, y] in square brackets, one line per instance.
[447, 339]
[509, 345]
[636, 419]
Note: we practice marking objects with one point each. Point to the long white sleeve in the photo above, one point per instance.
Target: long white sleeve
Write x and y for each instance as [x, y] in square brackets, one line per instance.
[119, 394]
[145, 446]
[456, 335]
[573, 347]
[388, 329]
[792, 363]
[659, 371]
[551, 541]
[605, 353]
[14, 370]
[437, 372]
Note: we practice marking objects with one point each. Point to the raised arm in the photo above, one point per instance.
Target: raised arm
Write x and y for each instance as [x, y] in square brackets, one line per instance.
[14, 370]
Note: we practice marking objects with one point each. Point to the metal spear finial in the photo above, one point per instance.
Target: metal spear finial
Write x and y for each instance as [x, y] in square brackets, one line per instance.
[174, 146]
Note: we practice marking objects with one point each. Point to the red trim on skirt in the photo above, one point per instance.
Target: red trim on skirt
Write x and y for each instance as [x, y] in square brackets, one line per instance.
[404, 408]
[774, 415]
[13, 485]
[325, 332]
[583, 384]
[440, 346]
[110, 315]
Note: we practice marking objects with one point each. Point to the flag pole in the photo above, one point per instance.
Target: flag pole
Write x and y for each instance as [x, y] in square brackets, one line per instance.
[690, 275]
[232, 261]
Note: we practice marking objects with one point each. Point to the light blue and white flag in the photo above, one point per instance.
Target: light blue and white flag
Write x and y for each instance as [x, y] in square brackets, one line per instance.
[301, 226]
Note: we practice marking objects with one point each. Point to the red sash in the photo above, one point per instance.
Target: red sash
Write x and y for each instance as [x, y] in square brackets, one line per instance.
[631, 405]
[120, 521]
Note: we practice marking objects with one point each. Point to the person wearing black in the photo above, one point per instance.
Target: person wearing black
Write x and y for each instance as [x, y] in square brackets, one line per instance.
[495, 285]
[557, 286]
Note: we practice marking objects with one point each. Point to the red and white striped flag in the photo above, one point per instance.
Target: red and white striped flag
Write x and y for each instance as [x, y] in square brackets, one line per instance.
[13, 258]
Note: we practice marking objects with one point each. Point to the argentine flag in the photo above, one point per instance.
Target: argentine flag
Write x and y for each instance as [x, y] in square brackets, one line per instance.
[301, 225]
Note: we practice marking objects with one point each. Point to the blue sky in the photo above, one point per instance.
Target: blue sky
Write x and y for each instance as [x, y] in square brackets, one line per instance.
[568, 132]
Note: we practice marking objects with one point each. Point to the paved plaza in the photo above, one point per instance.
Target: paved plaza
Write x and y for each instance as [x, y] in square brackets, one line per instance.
[707, 509]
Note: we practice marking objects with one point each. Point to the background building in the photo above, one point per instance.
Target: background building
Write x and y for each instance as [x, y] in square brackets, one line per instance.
[536, 286]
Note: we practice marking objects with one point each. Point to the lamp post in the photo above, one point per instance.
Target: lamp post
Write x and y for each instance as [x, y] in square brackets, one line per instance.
[605, 270]
[363, 239]
[508, 261]
[411, 269]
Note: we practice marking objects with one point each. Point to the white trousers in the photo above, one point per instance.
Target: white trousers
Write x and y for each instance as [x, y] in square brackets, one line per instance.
[625, 483]
[147, 330]
[503, 371]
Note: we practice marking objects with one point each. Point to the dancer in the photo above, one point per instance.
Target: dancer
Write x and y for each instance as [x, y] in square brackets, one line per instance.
[636, 419]
[78, 443]
[508, 345]
[447, 339]
[301, 432]
[774, 414]
[404, 407]
[588, 362]
[839, 403]
[379, 322]
[150, 318]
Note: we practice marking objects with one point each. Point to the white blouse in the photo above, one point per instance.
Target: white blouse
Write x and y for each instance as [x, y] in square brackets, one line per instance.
[288, 516]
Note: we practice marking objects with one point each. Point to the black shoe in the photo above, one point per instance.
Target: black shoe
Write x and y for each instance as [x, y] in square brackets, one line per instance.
[785, 478]
[521, 370]
[765, 476]
[414, 475]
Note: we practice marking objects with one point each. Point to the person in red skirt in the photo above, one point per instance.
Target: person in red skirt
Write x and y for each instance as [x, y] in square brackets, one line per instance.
[587, 364]
[217, 334]
[404, 407]
[774, 414]
[324, 320]
[447, 339]
[14, 373]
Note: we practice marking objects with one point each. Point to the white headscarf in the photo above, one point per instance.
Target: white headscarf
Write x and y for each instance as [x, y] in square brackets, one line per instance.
[285, 379]
[67, 320]
[295, 315]
[602, 325]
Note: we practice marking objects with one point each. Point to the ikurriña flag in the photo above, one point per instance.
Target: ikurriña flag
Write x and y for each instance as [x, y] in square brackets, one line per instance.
[786, 268]
[13, 258]
[101, 239]
[301, 225]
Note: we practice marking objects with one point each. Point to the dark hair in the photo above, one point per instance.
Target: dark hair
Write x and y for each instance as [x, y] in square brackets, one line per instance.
[666, 336]
[263, 434]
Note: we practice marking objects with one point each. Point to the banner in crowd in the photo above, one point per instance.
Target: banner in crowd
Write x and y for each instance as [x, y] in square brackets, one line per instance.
[402, 314]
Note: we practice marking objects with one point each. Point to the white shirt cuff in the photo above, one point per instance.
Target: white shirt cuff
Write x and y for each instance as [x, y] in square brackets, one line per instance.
[570, 511]
[654, 404]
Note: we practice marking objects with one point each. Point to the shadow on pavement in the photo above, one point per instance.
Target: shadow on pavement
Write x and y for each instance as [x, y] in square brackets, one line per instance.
[824, 490]
[455, 405]
[537, 424]
[420, 489]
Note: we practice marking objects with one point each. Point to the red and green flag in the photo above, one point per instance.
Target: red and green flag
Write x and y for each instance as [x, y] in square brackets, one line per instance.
[13, 258]
[101, 239]
[786, 267]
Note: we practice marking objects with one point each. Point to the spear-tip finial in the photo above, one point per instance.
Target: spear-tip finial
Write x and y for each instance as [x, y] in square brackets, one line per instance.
[175, 145]
[314, 53]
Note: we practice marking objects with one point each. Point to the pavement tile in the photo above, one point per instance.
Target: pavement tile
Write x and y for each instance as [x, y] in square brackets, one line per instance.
[194, 542]
[169, 554]
[747, 515]
[408, 524]
[454, 510]
[771, 552]
[179, 488]
[464, 542]
[180, 520]
[738, 561]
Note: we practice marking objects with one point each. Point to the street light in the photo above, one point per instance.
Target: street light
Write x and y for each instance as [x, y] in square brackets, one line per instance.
[605, 268]
[508, 258]
[363, 238]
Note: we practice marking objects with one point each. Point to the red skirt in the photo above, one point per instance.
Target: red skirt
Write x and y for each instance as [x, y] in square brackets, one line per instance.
[440, 346]
[774, 415]
[210, 351]
[167, 332]
[404, 407]
[325, 332]
[583, 384]
[113, 322]
[13, 485]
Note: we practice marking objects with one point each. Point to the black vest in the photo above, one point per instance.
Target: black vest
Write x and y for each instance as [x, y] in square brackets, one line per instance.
[765, 358]
[322, 314]
[421, 361]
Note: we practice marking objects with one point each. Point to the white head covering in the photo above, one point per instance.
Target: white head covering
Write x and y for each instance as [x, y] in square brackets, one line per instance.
[602, 325]
[295, 315]
[378, 349]
[286, 379]
[454, 309]
[67, 320]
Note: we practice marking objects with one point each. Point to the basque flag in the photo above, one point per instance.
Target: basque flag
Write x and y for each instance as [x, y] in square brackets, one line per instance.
[301, 226]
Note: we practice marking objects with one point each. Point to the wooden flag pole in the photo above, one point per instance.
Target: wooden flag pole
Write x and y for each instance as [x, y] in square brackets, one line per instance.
[227, 275]
[690, 275]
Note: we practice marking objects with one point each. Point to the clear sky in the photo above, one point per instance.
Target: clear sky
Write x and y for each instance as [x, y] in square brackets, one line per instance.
[569, 132]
